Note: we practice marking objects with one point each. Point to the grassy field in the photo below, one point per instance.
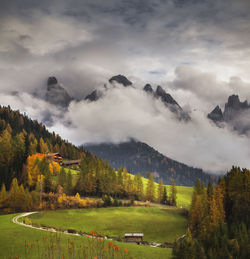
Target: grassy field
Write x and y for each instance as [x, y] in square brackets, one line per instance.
[12, 240]
[157, 224]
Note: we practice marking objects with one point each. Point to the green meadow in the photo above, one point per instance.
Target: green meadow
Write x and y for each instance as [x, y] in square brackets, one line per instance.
[13, 237]
[157, 224]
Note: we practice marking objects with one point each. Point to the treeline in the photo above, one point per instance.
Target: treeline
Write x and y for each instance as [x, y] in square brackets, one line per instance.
[21, 137]
[22, 199]
[98, 178]
[219, 220]
[23, 145]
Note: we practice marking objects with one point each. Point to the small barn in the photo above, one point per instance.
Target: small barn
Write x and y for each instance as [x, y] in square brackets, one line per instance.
[73, 164]
[56, 157]
[133, 237]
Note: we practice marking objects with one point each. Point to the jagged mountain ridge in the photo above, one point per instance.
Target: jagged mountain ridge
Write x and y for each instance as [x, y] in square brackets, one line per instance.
[56, 94]
[235, 114]
[160, 94]
[140, 157]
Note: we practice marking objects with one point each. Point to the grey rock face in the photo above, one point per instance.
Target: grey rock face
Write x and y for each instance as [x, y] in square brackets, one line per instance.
[56, 94]
[216, 114]
[165, 97]
[236, 114]
[121, 80]
[148, 88]
[94, 96]
[233, 107]
[52, 81]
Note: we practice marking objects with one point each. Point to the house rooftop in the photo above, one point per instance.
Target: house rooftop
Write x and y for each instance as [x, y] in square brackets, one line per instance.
[134, 235]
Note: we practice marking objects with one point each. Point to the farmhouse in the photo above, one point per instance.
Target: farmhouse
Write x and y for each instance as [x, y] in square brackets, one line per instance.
[72, 163]
[56, 157]
[133, 237]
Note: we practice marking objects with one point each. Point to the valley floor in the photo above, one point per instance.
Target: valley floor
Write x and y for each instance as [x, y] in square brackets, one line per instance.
[110, 221]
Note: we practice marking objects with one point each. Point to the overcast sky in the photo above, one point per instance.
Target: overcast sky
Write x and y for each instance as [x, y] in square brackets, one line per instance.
[199, 51]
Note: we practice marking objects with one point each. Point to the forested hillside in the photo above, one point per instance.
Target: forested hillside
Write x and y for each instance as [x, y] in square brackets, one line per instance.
[34, 180]
[140, 157]
[21, 137]
[219, 220]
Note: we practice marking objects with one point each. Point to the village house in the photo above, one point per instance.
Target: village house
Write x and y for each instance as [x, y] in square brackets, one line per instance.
[56, 157]
[133, 238]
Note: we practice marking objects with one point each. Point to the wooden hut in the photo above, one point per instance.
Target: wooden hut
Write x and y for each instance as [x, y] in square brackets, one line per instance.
[73, 164]
[56, 157]
[133, 237]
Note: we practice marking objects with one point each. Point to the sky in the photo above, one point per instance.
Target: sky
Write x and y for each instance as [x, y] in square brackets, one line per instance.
[198, 51]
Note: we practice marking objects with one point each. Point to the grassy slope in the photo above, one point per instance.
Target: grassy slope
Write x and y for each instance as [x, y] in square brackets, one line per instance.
[12, 238]
[158, 225]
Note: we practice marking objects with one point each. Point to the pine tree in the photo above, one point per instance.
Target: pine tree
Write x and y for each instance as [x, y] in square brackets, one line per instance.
[160, 192]
[47, 182]
[150, 192]
[139, 187]
[62, 177]
[3, 195]
[165, 196]
[173, 193]
[13, 195]
[21, 198]
[43, 147]
[69, 185]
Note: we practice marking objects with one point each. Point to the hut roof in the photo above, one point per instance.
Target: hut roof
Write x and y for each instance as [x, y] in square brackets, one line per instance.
[72, 162]
[134, 235]
[53, 154]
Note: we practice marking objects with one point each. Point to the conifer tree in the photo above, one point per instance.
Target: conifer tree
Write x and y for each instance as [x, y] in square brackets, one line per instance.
[150, 192]
[62, 177]
[165, 196]
[13, 195]
[173, 193]
[160, 192]
[69, 185]
[139, 187]
[43, 147]
[47, 182]
[3, 195]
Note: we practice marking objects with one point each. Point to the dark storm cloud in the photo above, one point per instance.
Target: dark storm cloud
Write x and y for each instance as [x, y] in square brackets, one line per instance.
[198, 50]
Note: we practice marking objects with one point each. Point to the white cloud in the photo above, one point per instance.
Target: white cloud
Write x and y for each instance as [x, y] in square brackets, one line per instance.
[124, 113]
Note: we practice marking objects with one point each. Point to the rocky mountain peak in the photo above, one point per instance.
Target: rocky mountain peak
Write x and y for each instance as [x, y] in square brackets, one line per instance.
[216, 114]
[52, 81]
[148, 88]
[160, 91]
[94, 96]
[235, 103]
[121, 80]
[165, 97]
[56, 94]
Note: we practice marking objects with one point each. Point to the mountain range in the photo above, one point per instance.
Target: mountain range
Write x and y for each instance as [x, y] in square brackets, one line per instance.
[140, 157]
[236, 114]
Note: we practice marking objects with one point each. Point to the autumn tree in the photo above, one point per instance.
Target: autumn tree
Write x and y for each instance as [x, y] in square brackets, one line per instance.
[160, 192]
[3, 195]
[69, 184]
[13, 199]
[173, 193]
[150, 192]
[43, 147]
